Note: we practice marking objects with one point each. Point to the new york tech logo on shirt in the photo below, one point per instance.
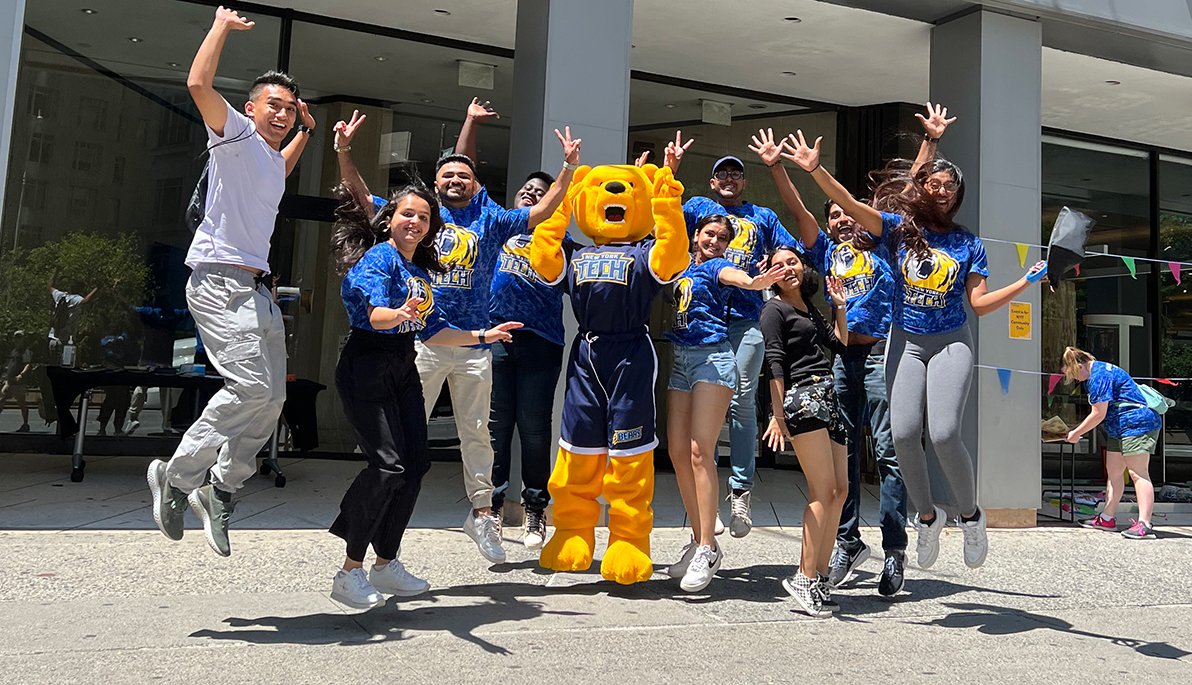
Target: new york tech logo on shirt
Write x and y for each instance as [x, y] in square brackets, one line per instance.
[929, 279]
[420, 289]
[515, 258]
[457, 251]
[854, 268]
[740, 249]
[683, 299]
[602, 267]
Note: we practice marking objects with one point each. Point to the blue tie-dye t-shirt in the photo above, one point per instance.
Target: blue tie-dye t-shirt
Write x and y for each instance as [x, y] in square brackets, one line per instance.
[867, 278]
[701, 305]
[518, 294]
[929, 293]
[756, 231]
[1127, 414]
[384, 278]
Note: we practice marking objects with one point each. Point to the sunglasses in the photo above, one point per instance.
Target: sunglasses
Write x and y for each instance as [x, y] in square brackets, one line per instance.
[725, 175]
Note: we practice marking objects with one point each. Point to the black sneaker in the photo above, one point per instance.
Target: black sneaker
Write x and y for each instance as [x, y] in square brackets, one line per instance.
[844, 564]
[214, 507]
[892, 574]
[825, 593]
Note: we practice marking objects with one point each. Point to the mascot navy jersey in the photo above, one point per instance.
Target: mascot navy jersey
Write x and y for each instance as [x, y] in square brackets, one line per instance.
[612, 366]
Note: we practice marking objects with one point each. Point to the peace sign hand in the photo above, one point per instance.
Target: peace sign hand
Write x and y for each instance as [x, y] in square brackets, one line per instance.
[675, 151]
[937, 121]
[764, 146]
[570, 147]
[806, 157]
[345, 131]
[836, 291]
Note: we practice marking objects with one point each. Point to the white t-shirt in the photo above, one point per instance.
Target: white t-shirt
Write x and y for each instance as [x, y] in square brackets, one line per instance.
[64, 316]
[246, 180]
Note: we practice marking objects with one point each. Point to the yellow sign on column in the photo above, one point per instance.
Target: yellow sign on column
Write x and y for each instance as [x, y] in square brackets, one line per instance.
[1020, 320]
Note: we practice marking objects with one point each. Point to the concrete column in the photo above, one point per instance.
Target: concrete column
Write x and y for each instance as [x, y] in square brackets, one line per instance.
[987, 68]
[12, 24]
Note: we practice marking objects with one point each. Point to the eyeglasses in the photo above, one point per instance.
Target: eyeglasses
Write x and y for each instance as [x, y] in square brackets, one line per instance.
[725, 175]
[934, 186]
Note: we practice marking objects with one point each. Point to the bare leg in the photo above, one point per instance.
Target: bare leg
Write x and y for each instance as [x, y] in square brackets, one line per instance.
[678, 435]
[1143, 488]
[840, 468]
[709, 405]
[1115, 465]
[814, 450]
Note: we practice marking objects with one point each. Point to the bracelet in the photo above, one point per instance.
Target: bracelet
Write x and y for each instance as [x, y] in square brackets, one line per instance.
[345, 148]
[483, 332]
[771, 166]
[570, 167]
[841, 307]
[927, 138]
[816, 167]
[303, 128]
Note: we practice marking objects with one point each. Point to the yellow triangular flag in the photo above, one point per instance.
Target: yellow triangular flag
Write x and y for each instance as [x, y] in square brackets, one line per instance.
[1021, 253]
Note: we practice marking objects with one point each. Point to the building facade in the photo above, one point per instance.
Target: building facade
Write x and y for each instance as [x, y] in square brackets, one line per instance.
[1080, 103]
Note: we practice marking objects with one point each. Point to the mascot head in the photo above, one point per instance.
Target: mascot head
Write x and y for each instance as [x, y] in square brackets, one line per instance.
[612, 202]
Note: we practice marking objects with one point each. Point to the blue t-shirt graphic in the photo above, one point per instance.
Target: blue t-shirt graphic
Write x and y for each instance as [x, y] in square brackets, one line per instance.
[518, 294]
[929, 293]
[701, 311]
[1127, 414]
[867, 277]
[756, 231]
[384, 278]
[612, 287]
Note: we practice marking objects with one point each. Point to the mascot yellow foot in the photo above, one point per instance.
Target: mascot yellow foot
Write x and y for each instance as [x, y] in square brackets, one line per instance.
[628, 487]
[574, 486]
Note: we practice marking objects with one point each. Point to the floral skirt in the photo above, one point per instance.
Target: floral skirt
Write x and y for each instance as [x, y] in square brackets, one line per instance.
[812, 405]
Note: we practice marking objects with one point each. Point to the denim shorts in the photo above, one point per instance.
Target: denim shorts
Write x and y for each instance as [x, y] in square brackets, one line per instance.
[714, 364]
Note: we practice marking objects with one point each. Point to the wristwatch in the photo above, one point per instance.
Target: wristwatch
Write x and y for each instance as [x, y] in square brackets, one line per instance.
[303, 128]
[927, 137]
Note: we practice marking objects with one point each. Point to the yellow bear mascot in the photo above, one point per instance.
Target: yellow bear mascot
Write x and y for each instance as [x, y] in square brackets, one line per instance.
[608, 439]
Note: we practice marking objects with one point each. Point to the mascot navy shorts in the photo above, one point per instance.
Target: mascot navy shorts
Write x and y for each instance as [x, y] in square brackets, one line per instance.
[609, 400]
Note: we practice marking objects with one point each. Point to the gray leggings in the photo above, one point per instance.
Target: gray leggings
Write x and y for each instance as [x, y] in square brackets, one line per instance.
[931, 372]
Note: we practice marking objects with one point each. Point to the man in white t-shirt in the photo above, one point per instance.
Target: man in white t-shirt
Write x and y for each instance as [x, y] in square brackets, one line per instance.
[229, 291]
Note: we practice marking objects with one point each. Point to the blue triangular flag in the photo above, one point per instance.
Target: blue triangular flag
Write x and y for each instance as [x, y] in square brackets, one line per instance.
[1004, 376]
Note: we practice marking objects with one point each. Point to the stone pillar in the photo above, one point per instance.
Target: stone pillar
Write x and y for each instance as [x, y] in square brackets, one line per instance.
[987, 69]
[12, 24]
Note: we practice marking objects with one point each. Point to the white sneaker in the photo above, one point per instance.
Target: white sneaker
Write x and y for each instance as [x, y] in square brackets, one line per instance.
[352, 588]
[132, 427]
[719, 529]
[486, 532]
[394, 579]
[741, 522]
[976, 543]
[535, 530]
[929, 538]
[704, 565]
[679, 568]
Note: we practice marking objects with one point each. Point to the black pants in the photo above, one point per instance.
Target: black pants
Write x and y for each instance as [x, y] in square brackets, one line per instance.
[382, 398]
[115, 405]
[525, 373]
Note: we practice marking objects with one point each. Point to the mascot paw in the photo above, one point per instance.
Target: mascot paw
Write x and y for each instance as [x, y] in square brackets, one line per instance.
[666, 186]
[568, 550]
[627, 561]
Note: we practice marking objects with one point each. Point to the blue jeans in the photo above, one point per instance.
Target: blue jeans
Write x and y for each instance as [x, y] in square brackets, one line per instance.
[525, 373]
[746, 339]
[861, 388]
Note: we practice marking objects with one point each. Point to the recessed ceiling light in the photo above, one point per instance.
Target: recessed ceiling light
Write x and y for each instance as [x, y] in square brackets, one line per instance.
[173, 64]
[134, 39]
[1113, 82]
[443, 13]
[483, 162]
[1086, 180]
[757, 106]
[670, 106]
[427, 100]
[788, 73]
[381, 58]
[89, 11]
[793, 20]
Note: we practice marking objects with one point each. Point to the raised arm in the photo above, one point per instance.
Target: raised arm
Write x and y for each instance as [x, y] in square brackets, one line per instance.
[771, 155]
[808, 158]
[477, 113]
[933, 129]
[739, 279]
[984, 302]
[546, 246]
[200, 82]
[90, 296]
[670, 255]
[293, 151]
[344, 132]
[558, 190]
[839, 311]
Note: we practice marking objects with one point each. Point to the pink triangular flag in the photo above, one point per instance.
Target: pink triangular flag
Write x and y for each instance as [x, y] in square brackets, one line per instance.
[1175, 271]
[1053, 381]
[1077, 269]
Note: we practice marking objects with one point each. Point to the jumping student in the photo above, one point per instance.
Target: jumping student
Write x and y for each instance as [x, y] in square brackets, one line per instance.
[387, 262]
[702, 384]
[805, 413]
[1133, 430]
[229, 293]
[938, 265]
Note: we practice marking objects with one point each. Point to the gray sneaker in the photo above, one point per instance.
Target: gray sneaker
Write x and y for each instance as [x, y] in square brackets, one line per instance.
[805, 592]
[169, 503]
[845, 563]
[741, 522]
[214, 507]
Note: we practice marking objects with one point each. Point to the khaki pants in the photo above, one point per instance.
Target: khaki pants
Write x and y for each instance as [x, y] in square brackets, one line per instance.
[469, 374]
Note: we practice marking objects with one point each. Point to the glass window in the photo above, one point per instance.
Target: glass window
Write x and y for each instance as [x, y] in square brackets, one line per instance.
[1175, 345]
[87, 156]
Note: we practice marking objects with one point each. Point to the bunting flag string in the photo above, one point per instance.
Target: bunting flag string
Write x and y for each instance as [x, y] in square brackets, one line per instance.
[1175, 271]
[1022, 248]
[1054, 378]
[1128, 259]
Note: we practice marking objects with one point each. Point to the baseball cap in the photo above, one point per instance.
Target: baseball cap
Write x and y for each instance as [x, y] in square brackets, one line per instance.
[725, 159]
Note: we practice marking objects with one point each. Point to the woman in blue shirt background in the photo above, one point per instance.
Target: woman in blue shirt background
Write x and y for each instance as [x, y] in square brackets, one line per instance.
[939, 266]
[1133, 430]
[386, 263]
[703, 380]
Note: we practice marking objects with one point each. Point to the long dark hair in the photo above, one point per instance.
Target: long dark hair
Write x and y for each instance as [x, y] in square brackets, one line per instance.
[355, 233]
[898, 191]
[809, 284]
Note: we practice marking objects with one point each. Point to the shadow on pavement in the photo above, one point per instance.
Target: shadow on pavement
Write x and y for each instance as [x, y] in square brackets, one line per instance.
[994, 620]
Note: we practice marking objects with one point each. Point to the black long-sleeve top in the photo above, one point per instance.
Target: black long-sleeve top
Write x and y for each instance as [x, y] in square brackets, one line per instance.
[794, 342]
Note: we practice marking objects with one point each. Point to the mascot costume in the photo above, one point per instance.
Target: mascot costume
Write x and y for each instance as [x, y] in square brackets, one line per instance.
[608, 439]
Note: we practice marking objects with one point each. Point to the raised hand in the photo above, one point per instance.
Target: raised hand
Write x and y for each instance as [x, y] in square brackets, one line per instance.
[641, 161]
[674, 151]
[836, 291]
[936, 121]
[797, 151]
[666, 186]
[346, 130]
[232, 19]
[766, 148]
[307, 120]
[766, 279]
[570, 146]
[481, 110]
[1036, 272]
[500, 332]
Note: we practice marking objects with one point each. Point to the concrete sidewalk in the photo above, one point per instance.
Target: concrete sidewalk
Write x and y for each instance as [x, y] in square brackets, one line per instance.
[116, 606]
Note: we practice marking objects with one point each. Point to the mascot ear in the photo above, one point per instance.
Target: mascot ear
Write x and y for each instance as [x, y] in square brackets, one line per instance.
[579, 175]
[649, 170]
